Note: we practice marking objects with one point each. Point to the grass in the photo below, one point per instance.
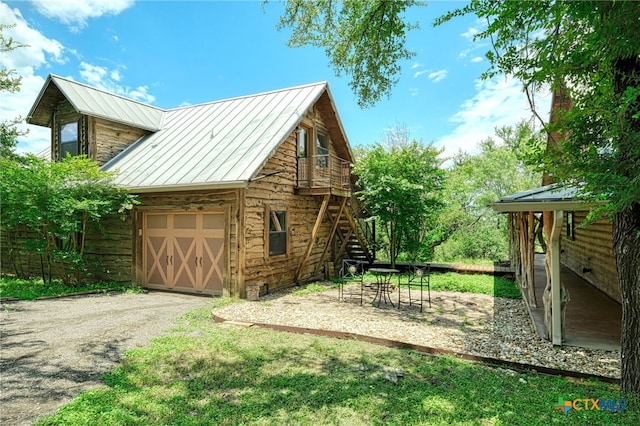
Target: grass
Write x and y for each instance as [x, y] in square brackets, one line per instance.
[227, 375]
[475, 283]
[465, 283]
[31, 289]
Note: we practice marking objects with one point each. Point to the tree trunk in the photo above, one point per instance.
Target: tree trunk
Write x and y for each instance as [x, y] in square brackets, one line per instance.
[626, 248]
[626, 232]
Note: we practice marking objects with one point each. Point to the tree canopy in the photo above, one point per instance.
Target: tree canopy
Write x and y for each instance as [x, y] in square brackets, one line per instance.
[400, 187]
[364, 39]
[9, 82]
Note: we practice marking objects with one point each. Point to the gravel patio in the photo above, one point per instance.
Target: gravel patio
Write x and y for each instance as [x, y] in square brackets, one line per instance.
[467, 323]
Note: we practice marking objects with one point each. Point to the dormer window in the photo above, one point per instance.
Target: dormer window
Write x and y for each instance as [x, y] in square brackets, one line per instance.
[69, 140]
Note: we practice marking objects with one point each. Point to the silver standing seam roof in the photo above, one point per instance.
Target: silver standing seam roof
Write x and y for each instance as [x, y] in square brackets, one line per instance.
[98, 103]
[545, 198]
[214, 145]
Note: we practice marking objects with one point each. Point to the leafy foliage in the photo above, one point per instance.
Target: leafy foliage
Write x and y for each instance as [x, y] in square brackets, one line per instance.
[401, 189]
[591, 50]
[362, 38]
[9, 82]
[48, 208]
[31, 289]
[474, 182]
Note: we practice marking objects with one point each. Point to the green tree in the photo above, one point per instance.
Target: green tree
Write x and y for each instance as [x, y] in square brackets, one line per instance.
[475, 181]
[362, 38]
[591, 47]
[9, 82]
[400, 187]
[49, 208]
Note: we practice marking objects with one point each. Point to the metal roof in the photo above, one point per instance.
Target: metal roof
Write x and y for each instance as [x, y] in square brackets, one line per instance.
[545, 198]
[93, 102]
[218, 144]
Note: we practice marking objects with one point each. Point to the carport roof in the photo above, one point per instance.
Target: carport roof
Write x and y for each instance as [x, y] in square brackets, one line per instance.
[545, 198]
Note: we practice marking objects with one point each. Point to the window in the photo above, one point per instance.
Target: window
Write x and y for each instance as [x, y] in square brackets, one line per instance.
[69, 141]
[322, 149]
[277, 232]
[322, 143]
[571, 226]
[303, 134]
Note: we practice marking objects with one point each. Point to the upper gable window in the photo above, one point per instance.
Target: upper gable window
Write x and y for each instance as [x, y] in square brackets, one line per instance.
[303, 135]
[322, 143]
[69, 140]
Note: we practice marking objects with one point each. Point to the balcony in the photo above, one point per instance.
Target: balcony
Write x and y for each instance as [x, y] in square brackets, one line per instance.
[324, 174]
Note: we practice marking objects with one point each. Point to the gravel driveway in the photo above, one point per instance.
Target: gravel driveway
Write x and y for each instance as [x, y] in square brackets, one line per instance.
[51, 350]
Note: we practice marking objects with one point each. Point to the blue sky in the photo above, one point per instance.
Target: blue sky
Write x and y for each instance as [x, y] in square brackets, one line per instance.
[173, 53]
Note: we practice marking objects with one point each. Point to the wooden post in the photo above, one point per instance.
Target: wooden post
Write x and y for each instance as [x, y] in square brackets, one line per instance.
[556, 308]
[314, 232]
[334, 227]
[531, 253]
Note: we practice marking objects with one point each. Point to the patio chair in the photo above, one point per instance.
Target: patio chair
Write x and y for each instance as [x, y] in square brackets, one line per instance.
[352, 271]
[419, 276]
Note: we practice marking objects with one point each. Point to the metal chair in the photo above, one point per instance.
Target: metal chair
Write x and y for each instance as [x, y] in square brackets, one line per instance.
[352, 271]
[419, 276]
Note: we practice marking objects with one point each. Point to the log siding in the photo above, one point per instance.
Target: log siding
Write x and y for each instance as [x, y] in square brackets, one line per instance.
[590, 254]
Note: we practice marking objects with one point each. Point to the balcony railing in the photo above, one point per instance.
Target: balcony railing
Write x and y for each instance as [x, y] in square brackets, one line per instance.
[324, 171]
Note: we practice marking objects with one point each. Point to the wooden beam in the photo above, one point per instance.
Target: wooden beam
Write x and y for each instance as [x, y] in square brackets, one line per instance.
[334, 227]
[556, 302]
[312, 238]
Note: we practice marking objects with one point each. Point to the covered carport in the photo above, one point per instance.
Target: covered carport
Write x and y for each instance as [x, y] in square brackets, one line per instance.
[553, 202]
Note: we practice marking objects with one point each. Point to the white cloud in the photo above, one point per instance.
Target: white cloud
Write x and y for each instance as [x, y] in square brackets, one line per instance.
[39, 52]
[477, 59]
[497, 102]
[419, 73]
[109, 80]
[76, 13]
[470, 33]
[26, 60]
[437, 76]
[416, 65]
[414, 91]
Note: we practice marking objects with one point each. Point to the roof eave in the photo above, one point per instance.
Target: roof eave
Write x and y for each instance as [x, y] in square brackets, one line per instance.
[35, 105]
[541, 206]
[188, 187]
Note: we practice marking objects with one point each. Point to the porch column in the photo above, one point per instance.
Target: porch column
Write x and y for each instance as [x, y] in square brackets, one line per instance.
[556, 302]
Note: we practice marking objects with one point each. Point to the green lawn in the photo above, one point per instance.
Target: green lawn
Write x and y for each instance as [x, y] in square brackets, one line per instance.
[34, 288]
[216, 374]
[466, 283]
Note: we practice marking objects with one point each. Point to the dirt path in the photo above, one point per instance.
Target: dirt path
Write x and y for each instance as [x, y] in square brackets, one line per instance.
[51, 350]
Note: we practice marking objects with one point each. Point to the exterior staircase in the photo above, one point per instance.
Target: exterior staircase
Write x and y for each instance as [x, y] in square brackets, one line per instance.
[354, 234]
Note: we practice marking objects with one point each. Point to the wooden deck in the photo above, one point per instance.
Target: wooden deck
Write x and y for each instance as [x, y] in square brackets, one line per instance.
[593, 320]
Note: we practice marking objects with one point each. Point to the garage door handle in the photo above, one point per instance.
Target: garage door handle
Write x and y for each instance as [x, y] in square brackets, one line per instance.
[196, 261]
[200, 261]
[171, 259]
[167, 259]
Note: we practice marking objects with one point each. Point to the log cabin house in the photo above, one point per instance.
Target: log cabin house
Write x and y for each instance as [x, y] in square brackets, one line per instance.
[250, 191]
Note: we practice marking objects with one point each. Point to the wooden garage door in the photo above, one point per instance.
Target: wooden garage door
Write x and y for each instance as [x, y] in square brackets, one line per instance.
[184, 251]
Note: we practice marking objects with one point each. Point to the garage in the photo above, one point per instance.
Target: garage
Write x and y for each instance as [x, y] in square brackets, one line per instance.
[184, 251]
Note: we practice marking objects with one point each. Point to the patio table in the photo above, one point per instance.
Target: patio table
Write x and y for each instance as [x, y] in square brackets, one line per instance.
[383, 282]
